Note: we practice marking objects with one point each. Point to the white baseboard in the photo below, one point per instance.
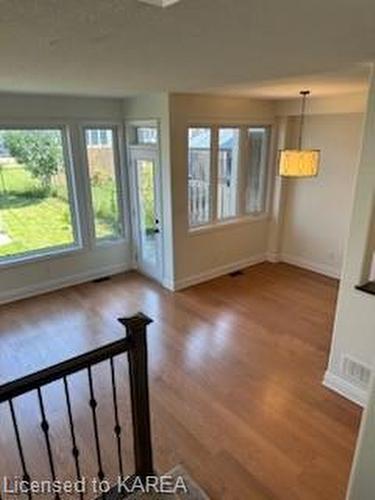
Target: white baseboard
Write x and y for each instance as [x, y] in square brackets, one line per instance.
[344, 388]
[311, 266]
[273, 257]
[217, 271]
[57, 284]
[168, 284]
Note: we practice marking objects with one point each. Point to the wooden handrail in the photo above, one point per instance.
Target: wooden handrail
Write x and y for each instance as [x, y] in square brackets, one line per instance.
[43, 377]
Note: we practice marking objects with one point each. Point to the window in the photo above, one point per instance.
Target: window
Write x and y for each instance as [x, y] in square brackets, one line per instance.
[235, 183]
[256, 175]
[36, 202]
[98, 138]
[199, 172]
[228, 170]
[102, 166]
[146, 135]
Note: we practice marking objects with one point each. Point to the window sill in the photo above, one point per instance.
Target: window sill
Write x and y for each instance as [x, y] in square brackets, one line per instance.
[110, 242]
[226, 224]
[31, 258]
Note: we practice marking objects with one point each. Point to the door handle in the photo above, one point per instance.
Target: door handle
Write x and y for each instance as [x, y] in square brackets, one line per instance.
[156, 231]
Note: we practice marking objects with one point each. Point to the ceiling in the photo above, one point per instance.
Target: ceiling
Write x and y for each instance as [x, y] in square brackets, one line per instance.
[348, 80]
[123, 47]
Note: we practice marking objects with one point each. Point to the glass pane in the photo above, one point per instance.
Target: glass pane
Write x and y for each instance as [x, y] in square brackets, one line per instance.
[147, 135]
[102, 172]
[35, 212]
[256, 183]
[199, 167]
[146, 201]
[228, 165]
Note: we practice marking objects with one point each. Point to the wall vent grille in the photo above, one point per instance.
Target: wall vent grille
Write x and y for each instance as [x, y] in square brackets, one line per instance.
[356, 372]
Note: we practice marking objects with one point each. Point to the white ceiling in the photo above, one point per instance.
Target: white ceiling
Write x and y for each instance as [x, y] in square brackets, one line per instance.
[122, 47]
[348, 80]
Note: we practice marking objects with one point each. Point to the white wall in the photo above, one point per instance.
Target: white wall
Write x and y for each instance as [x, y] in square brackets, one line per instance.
[362, 479]
[24, 279]
[317, 211]
[354, 332]
[209, 252]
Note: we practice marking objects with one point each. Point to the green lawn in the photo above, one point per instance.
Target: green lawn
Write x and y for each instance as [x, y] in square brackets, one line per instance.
[30, 220]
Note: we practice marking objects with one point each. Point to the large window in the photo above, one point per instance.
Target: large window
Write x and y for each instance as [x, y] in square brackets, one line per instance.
[102, 165]
[36, 202]
[227, 173]
[199, 172]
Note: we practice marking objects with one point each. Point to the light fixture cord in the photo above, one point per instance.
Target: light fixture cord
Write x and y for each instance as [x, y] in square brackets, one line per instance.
[304, 94]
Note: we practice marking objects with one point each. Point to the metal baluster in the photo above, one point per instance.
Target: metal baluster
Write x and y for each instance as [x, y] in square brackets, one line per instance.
[93, 405]
[25, 474]
[45, 428]
[117, 428]
[75, 451]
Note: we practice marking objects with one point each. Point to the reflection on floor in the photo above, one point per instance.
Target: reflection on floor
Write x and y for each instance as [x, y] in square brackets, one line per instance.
[236, 366]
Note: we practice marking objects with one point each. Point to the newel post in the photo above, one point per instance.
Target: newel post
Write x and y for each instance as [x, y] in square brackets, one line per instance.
[140, 405]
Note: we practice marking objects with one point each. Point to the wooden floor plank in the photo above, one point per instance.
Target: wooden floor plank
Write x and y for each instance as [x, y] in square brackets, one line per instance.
[236, 366]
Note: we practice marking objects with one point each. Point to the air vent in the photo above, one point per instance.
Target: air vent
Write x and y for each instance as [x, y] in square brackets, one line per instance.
[235, 274]
[160, 3]
[356, 372]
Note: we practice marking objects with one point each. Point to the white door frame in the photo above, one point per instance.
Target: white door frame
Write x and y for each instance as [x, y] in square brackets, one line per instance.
[146, 152]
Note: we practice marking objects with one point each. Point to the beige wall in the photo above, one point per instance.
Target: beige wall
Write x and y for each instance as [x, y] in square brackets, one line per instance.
[206, 253]
[317, 211]
[354, 331]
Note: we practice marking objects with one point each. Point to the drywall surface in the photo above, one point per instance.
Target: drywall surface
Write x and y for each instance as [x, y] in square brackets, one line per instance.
[317, 210]
[354, 332]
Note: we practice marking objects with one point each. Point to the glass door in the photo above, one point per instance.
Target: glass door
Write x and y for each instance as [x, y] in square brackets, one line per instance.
[147, 207]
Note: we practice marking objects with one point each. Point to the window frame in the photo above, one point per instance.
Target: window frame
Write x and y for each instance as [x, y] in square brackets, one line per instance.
[242, 217]
[71, 180]
[118, 147]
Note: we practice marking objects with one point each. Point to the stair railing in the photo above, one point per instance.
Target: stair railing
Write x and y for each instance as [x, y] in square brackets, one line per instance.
[135, 345]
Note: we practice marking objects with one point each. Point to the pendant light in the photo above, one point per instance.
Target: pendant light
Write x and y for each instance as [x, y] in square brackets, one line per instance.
[299, 162]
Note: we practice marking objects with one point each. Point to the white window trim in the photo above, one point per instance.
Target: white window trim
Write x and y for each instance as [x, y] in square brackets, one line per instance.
[58, 250]
[244, 218]
[118, 146]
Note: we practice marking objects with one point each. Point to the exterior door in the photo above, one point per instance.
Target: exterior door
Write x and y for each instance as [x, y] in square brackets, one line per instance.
[148, 240]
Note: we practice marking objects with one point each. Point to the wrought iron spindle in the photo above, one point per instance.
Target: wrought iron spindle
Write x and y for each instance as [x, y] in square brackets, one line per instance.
[45, 428]
[25, 474]
[75, 450]
[93, 405]
[117, 429]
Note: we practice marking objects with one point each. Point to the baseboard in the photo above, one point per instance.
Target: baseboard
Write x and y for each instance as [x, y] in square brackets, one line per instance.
[57, 284]
[169, 284]
[345, 388]
[311, 266]
[273, 257]
[217, 272]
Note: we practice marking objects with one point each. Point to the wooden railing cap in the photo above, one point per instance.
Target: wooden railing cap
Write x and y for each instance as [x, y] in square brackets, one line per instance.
[138, 320]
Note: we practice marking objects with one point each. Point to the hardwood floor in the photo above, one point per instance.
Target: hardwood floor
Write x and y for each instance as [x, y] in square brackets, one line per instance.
[236, 366]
